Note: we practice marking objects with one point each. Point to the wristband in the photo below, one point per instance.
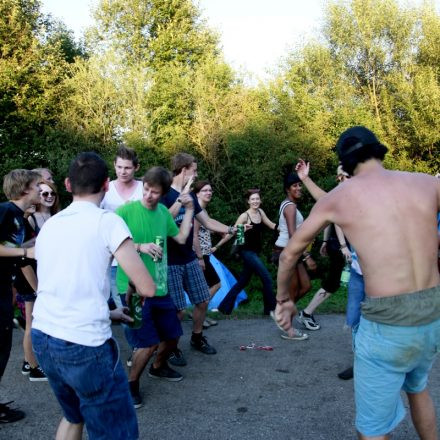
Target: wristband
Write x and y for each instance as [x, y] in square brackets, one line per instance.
[282, 301]
[343, 246]
[231, 230]
[24, 253]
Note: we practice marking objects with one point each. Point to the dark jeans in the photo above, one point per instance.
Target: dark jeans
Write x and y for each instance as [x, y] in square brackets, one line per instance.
[90, 385]
[251, 265]
[6, 325]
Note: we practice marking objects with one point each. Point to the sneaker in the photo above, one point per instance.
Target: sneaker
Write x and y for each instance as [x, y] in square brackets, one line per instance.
[346, 374]
[9, 415]
[308, 321]
[176, 358]
[25, 369]
[206, 324]
[135, 394]
[297, 336]
[165, 372]
[37, 375]
[203, 346]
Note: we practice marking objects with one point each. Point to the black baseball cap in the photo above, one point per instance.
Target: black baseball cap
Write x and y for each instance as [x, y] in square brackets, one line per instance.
[353, 139]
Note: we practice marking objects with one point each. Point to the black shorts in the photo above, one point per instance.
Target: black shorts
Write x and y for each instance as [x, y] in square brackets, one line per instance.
[211, 276]
[332, 279]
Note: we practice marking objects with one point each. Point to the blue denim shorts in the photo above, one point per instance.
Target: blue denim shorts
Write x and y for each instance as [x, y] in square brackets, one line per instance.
[187, 277]
[90, 385]
[159, 323]
[388, 359]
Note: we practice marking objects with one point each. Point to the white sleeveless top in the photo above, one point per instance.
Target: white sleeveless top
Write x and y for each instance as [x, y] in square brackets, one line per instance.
[113, 200]
[283, 237]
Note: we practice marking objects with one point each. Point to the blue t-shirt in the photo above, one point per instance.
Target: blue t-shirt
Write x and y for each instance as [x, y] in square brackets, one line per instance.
[180, 253]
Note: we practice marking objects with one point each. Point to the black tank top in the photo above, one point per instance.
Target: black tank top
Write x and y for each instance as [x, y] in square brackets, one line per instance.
[253, 237]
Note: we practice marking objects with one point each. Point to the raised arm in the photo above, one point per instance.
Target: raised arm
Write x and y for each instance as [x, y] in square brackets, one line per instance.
[185, 226]
[302, 168]
[175, 207]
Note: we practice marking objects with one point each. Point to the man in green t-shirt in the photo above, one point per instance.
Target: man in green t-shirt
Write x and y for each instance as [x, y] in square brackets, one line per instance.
[161, 329]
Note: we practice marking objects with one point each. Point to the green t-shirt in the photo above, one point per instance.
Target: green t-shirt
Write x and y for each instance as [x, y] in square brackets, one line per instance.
[145, 225]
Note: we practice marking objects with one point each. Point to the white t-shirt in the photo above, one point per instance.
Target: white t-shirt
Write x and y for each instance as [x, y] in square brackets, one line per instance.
[74, 251]
[283, 236]
[113, 200]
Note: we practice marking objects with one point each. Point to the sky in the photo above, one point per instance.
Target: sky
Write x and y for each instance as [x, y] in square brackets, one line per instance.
[255, 34]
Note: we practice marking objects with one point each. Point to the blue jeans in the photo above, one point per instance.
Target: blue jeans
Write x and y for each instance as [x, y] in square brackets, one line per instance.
[90, 385]
[251, 265]
[356, 294]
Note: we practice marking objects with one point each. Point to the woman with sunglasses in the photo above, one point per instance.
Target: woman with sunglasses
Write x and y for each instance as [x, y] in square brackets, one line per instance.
[254, 219]
[26, 280]
[203, 245]
[48, 206]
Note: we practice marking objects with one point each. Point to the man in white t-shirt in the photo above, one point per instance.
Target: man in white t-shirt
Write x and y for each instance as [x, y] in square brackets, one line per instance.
[125, 188]
[71, 333]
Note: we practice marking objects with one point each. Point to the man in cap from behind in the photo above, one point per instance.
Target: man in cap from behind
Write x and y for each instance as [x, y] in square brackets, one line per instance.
[390, 218]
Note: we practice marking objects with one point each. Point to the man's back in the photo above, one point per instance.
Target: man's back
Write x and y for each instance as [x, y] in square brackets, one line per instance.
[390, 219]
[73, 251]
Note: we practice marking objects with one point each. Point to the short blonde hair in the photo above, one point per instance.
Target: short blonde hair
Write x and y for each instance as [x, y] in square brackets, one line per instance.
[16, 182]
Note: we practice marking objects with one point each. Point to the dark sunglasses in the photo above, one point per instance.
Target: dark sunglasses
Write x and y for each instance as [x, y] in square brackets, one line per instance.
[46, 194]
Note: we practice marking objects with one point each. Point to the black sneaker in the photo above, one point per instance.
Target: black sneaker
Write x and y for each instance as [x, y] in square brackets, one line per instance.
[9, 415]
[37, 375]
[203, 346]
[176, 358]
[25, 369]
[165, 372]
[135, 394]
[308, 321]
[346, 374]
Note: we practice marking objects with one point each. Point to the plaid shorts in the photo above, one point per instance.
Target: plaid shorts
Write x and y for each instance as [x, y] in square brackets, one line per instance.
[187, 278]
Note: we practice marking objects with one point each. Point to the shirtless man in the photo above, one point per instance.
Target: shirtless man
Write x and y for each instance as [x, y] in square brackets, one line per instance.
[390, 218]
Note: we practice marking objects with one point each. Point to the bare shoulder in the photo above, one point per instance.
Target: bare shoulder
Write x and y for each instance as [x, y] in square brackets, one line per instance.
[242, 218]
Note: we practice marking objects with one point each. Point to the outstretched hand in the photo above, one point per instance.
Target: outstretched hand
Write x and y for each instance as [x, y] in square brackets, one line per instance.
[302, 168]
